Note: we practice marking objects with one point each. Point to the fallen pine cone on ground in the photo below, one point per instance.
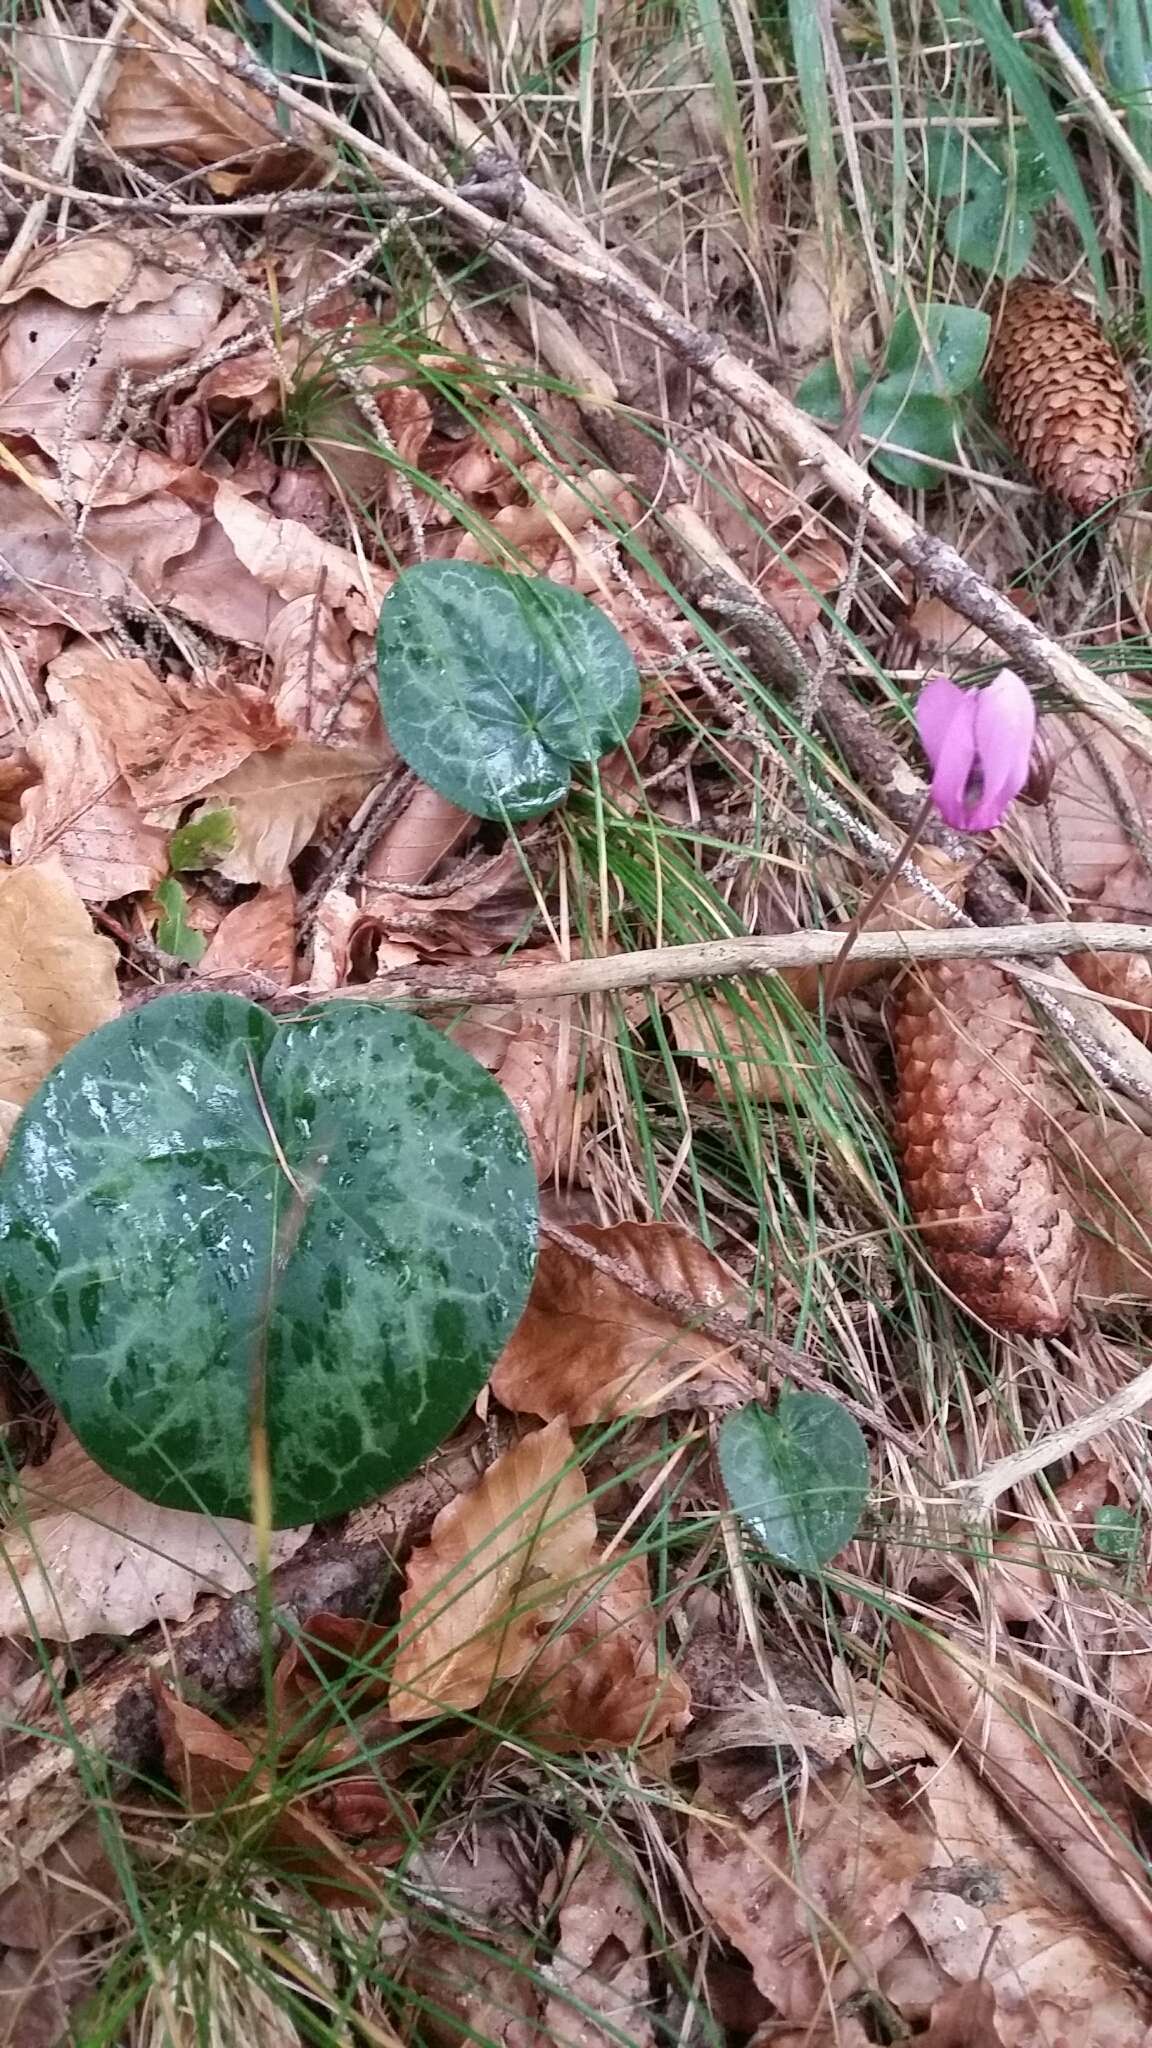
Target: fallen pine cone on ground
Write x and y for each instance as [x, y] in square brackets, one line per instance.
[972, 1133]
[1062, 397]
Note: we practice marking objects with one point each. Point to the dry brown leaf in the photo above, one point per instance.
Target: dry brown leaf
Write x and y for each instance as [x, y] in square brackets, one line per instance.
[47, 1922]
[503, 1561]
[337, 916]
[773, 537]
[744, 1051]
[171, 739]
[287, 558]
[129, 554]
[218, 1773]
[82, 815]
[257, 937]
[310, 663]
[1130, 1690]
[1030, 1758]
[475, 1991]
[278, 801]
[51, 69]
[57, 981]
[600, 1963]
[1021, 1573]
[588, 1347]
[62, 351]
[1108, 1170]
[819, 298]
[85, 1556]
[533, 1050]
[412, 847]
[997, 1911]
[597, 1682]
[808, 1896]
[1080, 834]
[188, 107]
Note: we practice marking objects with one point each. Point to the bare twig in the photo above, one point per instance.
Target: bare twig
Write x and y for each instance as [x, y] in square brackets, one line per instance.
[725, 959]
[977, 1497]
[1086, 89]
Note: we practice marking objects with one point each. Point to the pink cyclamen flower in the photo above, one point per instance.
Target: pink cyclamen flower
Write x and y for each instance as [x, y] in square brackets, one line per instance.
[980, 744]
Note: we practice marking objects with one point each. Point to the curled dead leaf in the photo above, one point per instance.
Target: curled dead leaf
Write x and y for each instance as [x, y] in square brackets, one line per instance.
[502, 1562]
[279, 799]
[589, 1347]
[597, 1681]
[600, 1963]
[1108, 1171]
[533, 1050]
[257, 937]
[57, 980]
[188, 106]
[81, 813]
[218, 1773]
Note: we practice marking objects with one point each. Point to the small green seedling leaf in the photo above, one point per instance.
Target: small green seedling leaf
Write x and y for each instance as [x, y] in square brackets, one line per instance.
[493, 684]
[199, 1203]
[820, 394]
[911, 420]
[1116, 1535]
[174, 935]
[797, 1477]
[203, 842]
[939, 350]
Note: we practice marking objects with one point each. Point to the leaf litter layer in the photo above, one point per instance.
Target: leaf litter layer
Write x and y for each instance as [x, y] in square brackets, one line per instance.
[542, 1744]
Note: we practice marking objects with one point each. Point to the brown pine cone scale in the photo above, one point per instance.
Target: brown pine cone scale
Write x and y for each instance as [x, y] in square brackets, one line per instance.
[977, 1168]
[1062, 397]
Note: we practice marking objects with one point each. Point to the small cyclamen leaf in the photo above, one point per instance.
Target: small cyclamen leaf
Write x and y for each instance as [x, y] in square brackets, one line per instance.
[203, 842]
[174, 935]
[907, 418]
[798, 1477]
[197, 1199]
[820, 395]
[1116, 1534]
[979, 233]
[493, 684]
[940, 350]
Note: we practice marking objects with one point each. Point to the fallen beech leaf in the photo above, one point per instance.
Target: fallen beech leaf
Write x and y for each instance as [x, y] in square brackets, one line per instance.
[57, 981]
[596, 1682]
[63, 351]
[588, 1347]
[218, 1773]
[310, 665]
[81, 814]
[171, 739]
[600, 1964]
[336, 920]
[1108, 1170]
[47, 1921]
[998, 1912]
[1022, 1750]
[257, 937]
[964, 2018]
[817, 304]
[1081, 833]
[190, 108]
[288, 558]
[805, 1895]
[127, 554]
[502, 1563]
[1029, 1557]
[533, 1050]
[278, 800]
[473, 1991]
[743, 1044]
[1130, 1688]
[412, 847]
[85, 1556]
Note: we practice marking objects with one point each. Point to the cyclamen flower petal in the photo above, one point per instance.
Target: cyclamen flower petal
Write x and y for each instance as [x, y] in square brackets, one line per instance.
[979, 743]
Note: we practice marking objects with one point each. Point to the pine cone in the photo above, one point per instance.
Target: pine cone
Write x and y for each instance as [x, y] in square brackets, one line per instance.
[1062, 397]
[977, 1169]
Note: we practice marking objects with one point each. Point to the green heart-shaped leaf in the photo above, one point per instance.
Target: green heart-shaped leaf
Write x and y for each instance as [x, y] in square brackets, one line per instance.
[798, 1478]
[979, 233]
[200, 1203]
[941, 351]
[493, 684]
[895, 412]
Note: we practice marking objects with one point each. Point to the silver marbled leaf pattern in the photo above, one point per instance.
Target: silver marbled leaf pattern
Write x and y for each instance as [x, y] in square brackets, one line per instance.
[492, 684]
[198, 1200]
